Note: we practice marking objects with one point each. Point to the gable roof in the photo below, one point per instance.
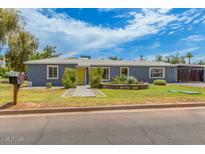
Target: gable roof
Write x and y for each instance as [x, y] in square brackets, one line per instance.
[97, 62]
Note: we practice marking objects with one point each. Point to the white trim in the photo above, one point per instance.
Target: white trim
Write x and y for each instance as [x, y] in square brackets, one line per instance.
[108, 75]
[163, 68]
[48, 72]
[102, 68]
[128, 71]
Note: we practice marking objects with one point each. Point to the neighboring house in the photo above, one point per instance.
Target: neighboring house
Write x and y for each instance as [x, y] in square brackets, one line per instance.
[52, 69]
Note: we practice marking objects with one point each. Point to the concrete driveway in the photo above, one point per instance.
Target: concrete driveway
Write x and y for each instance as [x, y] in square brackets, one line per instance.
[201, 84]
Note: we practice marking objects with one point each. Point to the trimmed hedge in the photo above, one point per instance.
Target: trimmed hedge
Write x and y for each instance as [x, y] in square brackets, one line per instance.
[95, 76]
[160, 82]
[69, 78]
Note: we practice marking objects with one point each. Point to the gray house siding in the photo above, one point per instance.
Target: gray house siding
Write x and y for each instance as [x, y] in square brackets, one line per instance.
[37, 74]
[142, 73]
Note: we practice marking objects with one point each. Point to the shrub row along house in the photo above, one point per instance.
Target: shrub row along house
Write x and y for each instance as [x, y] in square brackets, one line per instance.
[51, 70]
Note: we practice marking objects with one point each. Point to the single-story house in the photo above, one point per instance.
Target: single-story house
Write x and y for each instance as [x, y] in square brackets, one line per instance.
[51, 70]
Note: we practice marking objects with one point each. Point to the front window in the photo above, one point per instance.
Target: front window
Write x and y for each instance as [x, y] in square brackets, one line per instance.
[52, 72]
[157, 72]
[106, 73]
[124, 71]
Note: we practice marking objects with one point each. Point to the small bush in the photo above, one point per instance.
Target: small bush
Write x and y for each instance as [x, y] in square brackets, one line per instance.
[160, 82]
[4, 72]
[119, 80]
[131, 80]
[69, 78]
[95, 76]
[48, 85]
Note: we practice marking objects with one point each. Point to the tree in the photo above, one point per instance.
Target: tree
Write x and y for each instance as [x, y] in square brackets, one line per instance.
[69, 78]
[167, 59]
[159, 58]
[182, 60]
[47, 52]
[95, 76]
[189, 56]
[201, 62]
[175, 59]
[1, 60]
[141, 58]
[114, 58]
[21, 46]
[9, 23]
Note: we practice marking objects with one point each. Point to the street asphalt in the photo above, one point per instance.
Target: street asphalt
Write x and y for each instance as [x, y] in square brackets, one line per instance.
[156, 126]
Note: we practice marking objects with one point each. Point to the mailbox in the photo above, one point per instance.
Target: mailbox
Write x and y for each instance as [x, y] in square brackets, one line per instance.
[15, 78]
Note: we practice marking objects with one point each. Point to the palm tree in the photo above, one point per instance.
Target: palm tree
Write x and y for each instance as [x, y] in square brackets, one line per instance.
[141, 58]
[189, 56]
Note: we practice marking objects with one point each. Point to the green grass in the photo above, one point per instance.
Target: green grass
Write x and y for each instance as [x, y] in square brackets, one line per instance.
[52, 97]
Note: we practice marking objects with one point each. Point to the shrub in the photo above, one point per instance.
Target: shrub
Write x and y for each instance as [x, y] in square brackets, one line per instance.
[131, 80]
[95, 76]
[4, 72]
[160, 82]
[119, 79]
[48, 85]
[69, 78]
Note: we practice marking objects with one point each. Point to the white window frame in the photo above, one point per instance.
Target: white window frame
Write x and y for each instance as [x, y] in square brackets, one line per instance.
[48, 66]
[128, 71]
[103, 68]
[163, 72]
[108, 75]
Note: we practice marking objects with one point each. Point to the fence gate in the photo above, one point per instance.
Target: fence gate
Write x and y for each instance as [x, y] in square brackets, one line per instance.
[190, 74]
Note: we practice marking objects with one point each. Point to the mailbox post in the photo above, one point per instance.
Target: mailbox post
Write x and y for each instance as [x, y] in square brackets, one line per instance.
[15, 79]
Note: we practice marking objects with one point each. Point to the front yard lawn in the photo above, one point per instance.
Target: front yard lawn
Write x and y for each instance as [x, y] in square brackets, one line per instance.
[35, 98]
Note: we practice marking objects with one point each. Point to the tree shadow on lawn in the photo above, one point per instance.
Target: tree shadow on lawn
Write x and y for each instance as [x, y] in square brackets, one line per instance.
[6, 105]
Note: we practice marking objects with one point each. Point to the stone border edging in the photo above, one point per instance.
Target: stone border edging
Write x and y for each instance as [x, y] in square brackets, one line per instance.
[100, 108]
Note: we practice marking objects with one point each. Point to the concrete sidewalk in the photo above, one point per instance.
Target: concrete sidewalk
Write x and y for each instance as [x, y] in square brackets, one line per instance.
[80, 91]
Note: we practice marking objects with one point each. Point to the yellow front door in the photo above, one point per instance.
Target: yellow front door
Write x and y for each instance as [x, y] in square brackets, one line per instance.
[81, 75]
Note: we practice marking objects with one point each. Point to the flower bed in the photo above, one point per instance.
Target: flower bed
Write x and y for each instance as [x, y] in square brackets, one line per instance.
[137, 86]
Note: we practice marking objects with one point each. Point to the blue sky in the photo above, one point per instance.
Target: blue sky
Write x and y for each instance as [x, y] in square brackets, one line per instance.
[126, 33]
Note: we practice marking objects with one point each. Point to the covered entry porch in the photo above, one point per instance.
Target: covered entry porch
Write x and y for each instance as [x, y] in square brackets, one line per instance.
[82, 75]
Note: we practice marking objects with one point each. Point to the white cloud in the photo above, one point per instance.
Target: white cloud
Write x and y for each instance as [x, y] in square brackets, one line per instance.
[155, 45]
[181, 51]
[70, 35]
[105, 9]
[194, 38]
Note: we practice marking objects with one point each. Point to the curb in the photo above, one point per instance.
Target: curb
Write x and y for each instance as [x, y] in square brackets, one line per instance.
[100, 108]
